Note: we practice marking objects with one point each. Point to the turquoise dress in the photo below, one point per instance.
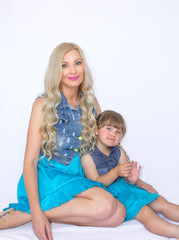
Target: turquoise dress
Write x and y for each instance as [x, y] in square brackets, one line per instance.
[132, 197]
[62, 178]
[57, 184]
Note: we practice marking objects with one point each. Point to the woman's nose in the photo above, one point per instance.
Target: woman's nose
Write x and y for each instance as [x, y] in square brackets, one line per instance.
[73, 69]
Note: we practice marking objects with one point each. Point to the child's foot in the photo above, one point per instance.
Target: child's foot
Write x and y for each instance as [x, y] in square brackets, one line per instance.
[13, 218]
[177, 231]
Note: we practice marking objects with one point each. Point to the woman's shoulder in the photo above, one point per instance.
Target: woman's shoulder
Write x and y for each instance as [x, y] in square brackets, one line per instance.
[39, 99]
[37, 105]
[36, 114]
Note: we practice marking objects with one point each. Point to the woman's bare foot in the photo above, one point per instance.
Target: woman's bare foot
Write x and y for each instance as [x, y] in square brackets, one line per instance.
[13, 218]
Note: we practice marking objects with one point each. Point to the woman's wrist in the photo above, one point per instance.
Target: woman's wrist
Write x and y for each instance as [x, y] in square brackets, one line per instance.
[139, 183]
[35, 209]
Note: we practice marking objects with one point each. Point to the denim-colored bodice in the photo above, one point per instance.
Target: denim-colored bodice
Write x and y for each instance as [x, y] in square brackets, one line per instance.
[69, 130]
[105, 163]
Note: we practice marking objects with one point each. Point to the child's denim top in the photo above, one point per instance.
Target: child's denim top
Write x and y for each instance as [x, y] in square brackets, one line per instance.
[105, 163]
[69, 130]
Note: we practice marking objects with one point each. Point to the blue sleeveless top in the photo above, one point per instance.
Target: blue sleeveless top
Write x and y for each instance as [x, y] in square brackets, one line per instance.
[105, 163]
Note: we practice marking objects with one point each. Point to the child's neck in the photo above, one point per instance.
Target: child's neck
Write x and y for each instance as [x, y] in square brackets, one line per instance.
[104, 149]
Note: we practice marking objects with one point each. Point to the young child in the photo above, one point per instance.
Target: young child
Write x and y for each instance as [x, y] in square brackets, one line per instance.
[108, 164]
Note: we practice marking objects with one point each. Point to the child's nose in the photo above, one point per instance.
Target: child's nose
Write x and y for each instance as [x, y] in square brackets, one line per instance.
[113, 133]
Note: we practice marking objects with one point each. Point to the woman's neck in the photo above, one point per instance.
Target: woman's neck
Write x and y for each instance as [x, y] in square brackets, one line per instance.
[72, 96]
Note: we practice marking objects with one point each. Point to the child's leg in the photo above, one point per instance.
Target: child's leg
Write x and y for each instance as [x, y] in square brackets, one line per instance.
[169, 210]
[156, 224]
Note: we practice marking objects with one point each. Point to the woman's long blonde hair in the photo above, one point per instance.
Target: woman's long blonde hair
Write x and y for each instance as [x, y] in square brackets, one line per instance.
[53, 98]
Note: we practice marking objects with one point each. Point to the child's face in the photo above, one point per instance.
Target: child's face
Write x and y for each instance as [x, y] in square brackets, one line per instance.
[109, 136]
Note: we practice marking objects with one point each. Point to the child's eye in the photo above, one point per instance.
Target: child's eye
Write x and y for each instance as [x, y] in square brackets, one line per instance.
[108, 128]
[78, 63]
[119, 132]
[64, 65]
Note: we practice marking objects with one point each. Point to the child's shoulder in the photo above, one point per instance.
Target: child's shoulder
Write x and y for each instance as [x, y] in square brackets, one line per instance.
[86, 155]
[86, 159]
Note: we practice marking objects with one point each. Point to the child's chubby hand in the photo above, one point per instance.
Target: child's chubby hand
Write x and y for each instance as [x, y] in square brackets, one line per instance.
[124, 169]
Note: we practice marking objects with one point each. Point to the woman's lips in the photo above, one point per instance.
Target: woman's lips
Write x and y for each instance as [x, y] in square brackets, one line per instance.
[74, 78]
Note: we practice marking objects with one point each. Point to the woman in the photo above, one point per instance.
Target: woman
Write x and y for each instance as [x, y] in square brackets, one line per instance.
[53, 187]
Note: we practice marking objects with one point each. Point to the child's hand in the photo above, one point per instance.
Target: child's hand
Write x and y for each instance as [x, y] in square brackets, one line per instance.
[134, 174]
[124, 169]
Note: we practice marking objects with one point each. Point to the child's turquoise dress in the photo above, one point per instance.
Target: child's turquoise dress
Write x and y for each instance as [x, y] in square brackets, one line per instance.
[61, 178]
[131, 196]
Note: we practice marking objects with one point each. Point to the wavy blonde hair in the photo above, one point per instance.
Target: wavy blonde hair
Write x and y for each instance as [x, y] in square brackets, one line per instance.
[53, 98]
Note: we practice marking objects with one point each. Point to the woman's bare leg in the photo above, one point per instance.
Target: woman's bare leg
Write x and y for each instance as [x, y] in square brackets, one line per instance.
[169, 210]
[13, 218]
[97, 218]
[156, 224]
[87, 208]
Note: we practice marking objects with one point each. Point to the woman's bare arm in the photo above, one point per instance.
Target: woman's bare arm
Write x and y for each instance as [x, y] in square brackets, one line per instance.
[40, 222]
[32, 154]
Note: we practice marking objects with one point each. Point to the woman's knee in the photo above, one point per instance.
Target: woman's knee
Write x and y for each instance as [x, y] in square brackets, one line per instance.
[119, 215]
[113, 210]
[105, 206]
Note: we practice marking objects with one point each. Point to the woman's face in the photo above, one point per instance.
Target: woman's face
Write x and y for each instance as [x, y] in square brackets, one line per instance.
[72, 70]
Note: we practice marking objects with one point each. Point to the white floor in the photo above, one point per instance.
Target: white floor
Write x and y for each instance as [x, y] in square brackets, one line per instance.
[127, 231]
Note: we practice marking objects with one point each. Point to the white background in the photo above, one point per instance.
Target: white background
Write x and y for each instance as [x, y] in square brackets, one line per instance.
[133, 52]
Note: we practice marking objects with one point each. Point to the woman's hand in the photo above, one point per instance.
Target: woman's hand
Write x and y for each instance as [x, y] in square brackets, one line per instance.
[145, 186]
[41, 226]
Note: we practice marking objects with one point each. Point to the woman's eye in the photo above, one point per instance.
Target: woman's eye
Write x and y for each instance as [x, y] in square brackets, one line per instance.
[78, 63]
[64, 65]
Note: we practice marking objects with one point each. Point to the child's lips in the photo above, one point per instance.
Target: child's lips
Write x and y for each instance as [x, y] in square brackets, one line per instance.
[74, 78]
[112, 139]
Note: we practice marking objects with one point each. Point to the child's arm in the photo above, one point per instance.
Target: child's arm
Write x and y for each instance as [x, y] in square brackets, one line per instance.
[135, 171]
[91, 172]
[139, 183]
[134, 175]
